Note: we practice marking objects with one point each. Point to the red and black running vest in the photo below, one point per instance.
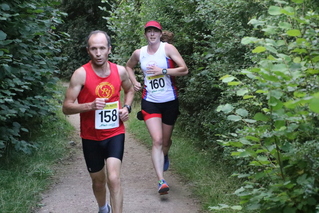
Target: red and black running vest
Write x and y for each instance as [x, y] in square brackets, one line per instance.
[98, 87]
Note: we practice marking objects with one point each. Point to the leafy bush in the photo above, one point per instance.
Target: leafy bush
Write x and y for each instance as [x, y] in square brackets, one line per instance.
[82, 18]
[28, 61]
[124, 23]
[278, 142]
[207, 34]
[266, 131]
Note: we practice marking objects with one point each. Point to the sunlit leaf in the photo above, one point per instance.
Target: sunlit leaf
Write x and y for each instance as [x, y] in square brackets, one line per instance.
[250, 121]
[242, 92]
[236, 207]
[274, 10]
[249, 137]
[247, 40]
[312, 71]
[276, 93]
[279, 67]
[228, 79]
[227, 108]
[259, 49]
[234, 83]
[297, 60]
[234, 118]
[288, 10]
[248, 96]
[285, 25]
[242, 112]
[299, 50]
[261, 117]
[299, 94]
[271, 49]
[294, 33]
[3, 35]
[5, 7]
[315, 59]
[298, 1]
[314, 105]
[245, 154]
[261, 91]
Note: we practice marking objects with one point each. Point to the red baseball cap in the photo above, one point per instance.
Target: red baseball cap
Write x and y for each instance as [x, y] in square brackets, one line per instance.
[153, 24]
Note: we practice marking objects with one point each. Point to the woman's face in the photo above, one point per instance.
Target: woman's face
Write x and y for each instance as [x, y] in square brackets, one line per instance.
[153, 35]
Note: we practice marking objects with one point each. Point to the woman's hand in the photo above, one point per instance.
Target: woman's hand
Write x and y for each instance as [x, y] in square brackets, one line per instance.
[153, 70]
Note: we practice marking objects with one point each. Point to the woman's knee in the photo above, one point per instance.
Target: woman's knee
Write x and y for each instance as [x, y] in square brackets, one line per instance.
[158, 142]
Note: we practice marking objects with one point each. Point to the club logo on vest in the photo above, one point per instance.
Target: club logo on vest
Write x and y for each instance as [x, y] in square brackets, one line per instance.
[104, 90]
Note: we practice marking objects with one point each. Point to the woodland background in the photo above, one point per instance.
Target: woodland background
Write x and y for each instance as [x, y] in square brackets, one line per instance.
[251, 98]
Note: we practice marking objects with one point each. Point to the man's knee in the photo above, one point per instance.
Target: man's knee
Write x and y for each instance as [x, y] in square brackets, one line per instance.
[98, 184]
[98, 180]
[114, 179]
[114, 183]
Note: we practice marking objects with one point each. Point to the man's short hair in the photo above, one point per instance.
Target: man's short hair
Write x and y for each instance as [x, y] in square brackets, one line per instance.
[96, 32]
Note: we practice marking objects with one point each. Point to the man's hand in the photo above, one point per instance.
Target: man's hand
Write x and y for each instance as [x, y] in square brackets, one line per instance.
[137, 86]
[99, 103]
[124, 114]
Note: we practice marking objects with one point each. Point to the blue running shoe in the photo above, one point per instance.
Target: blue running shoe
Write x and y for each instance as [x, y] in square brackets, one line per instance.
[163, 187]
[106, 209]
[166, 163]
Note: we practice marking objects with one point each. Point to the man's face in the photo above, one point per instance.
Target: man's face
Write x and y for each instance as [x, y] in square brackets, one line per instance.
[98, 49]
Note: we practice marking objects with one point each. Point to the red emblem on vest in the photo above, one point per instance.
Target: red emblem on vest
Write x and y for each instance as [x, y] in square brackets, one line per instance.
[104, 90]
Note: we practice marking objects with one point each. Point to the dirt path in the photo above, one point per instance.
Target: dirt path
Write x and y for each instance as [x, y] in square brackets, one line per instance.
[72, 192]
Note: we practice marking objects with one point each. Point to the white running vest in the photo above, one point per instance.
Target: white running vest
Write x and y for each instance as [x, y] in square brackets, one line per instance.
[160, 88]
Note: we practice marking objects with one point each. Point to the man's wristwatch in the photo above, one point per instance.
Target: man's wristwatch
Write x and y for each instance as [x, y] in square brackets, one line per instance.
[128, 108]
[164, 71]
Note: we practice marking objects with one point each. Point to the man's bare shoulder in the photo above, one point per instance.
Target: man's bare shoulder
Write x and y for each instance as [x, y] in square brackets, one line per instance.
[78, 77]
[121, 69]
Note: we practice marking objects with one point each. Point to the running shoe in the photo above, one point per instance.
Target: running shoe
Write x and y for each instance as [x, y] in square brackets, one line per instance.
[163, 187]
[107, 210]
[166, 163]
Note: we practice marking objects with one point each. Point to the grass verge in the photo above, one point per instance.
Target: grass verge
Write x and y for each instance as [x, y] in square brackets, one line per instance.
[209, 179]
[24, 177]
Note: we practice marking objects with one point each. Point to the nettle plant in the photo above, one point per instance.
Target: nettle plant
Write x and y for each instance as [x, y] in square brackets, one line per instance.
[278, 140]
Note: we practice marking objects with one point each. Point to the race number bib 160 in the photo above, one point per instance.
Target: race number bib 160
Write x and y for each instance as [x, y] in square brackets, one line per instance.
[156, 83]
[107, 118]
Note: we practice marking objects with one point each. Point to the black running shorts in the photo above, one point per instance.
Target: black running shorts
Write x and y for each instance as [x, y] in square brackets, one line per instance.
[168, 111]
[96, 152]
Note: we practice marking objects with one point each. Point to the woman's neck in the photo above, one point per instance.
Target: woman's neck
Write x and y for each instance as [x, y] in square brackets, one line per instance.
[152, 48]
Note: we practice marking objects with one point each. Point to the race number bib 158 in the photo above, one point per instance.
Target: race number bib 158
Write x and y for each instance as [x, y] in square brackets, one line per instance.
[107, 118]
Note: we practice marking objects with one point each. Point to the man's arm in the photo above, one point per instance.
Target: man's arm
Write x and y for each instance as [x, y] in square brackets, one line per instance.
[128, 92]
[70, 106]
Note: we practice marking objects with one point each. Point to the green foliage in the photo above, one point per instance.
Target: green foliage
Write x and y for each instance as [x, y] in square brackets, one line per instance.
[277, 139]
[122, 23]
[216, 49]
[25, 177]
[207, 34]
[267, 53]
[82, 18]
[28, 63]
